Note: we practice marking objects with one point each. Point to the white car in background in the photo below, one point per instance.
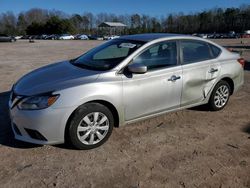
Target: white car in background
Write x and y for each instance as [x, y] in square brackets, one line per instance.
[82, 37]
[113, 37]
[18, 37]
[66, 37]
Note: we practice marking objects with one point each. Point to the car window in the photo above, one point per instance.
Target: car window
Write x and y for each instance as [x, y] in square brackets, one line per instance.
[160, 55]
[108, 55]
[111, 52]
[215, 50]
[195, 51]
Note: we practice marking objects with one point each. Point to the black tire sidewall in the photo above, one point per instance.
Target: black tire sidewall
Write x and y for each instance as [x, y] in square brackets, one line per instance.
[81, 112]
[212, 105]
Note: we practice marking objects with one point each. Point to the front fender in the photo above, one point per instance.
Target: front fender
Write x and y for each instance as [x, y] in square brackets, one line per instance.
[74, 97]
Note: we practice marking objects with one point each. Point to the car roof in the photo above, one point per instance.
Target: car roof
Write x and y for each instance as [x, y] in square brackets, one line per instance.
[150, 36]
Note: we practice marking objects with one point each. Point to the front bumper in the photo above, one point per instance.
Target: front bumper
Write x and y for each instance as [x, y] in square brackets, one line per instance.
[46, 126]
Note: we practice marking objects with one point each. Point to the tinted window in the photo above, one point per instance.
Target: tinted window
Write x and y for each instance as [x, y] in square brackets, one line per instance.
[195, 51]
[163, 54]
[215, 50]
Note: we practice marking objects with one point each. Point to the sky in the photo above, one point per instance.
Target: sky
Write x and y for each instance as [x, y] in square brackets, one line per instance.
[151, 7]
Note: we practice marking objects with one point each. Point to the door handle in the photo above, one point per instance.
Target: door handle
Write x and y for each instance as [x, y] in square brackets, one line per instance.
[174, 78]
[212, 70]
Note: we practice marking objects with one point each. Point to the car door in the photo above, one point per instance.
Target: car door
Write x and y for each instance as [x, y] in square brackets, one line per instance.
[157, 90]
[200, 71]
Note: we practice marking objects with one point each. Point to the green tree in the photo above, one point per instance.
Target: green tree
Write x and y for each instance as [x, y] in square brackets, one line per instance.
[21, 24]
[35, 28]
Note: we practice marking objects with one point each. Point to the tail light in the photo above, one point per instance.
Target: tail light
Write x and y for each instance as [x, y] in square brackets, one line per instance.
[242, 62]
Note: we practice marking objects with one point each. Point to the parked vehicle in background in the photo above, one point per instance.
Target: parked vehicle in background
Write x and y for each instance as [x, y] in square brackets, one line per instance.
[119, 82]
[204, 36]
[39, 37]
[25, 36]
[216, 36]
[18, 37]
[52, 37]
[246, 34]
[95, 37]
[81, 37]
[111, 37]
[230, 35]
[6, 38]
[66, 37]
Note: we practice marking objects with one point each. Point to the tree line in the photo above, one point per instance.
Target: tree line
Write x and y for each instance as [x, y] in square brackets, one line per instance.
[40, 21]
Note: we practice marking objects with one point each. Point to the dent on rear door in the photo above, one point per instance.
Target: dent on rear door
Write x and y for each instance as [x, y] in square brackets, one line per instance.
[198, 81]
[211, 76]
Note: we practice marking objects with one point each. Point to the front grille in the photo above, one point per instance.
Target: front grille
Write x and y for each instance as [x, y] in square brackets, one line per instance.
[17, 131]
[35, 134]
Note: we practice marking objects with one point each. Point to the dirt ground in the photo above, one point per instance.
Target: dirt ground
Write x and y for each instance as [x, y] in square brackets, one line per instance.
[189, 148]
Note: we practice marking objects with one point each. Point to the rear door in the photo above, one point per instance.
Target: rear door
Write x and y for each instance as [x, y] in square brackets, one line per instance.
[200, 71]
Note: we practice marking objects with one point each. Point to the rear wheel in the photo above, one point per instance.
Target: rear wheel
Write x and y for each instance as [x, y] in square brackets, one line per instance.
[90, 126]
[220, 96]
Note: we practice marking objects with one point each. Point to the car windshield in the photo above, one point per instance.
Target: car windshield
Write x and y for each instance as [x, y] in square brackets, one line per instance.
[107, 55]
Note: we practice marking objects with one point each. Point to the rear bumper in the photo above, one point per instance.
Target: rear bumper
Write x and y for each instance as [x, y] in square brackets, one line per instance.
[239, 81]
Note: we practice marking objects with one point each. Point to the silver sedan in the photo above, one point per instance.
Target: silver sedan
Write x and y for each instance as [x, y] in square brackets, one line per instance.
[120, 82]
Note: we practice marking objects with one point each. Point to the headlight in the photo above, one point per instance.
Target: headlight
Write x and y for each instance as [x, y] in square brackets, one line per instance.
[37, 102]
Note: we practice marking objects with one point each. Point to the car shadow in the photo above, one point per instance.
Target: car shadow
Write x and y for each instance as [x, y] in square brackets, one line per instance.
[246, 128]
[6, 134]
[200, 108]
[66, 146]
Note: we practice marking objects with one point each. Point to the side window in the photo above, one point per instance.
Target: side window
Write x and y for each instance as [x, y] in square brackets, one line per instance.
[160, 55]
[215, 51]
[195, 51]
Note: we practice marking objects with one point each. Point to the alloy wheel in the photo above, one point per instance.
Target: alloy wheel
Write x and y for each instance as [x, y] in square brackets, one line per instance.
[93, 128]
[221, 96]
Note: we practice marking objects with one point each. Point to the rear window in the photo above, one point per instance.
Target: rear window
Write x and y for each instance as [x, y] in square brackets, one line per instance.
[195, 51]
[215, 51]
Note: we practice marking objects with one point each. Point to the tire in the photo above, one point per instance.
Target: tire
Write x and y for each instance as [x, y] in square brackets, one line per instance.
[220, 96]
[90, 126]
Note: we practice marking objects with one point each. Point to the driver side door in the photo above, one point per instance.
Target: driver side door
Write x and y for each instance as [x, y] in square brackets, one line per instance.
[157, 90]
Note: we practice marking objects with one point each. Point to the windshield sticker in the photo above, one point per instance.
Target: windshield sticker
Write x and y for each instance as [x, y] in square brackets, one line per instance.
[127, 45]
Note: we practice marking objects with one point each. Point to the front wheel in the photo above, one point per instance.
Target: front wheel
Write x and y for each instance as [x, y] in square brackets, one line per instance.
[220, 96]
[90, 126]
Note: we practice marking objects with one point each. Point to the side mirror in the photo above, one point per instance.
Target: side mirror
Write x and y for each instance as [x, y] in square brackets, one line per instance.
[137, 68]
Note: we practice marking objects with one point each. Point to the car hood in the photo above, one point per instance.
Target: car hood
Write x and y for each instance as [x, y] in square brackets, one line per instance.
[54, 77]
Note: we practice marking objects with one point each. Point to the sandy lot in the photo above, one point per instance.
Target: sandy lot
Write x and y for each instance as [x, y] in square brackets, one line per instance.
[190, 148]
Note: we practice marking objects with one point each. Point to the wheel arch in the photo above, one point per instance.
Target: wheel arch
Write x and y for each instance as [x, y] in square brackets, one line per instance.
[230, 82]
[109, 105]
